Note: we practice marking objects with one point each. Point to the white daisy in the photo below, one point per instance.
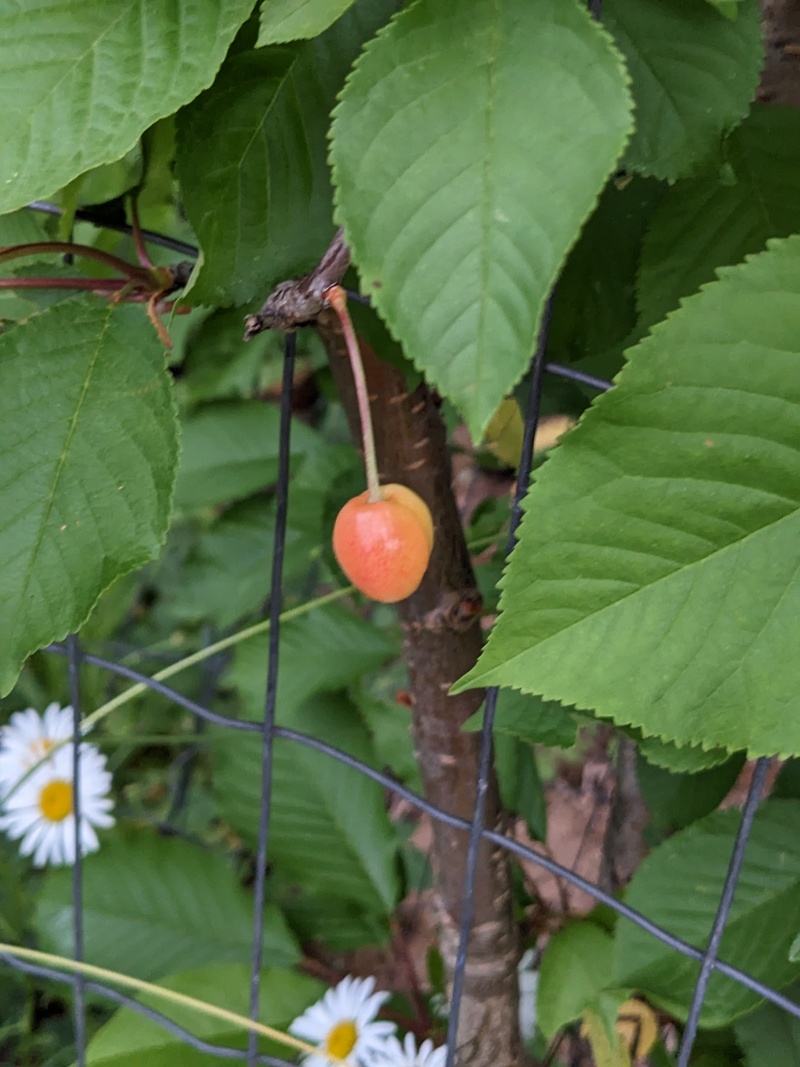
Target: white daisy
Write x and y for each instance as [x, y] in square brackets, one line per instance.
[393, 1054]
[29, 737]
[341, 1024]
[41, 810]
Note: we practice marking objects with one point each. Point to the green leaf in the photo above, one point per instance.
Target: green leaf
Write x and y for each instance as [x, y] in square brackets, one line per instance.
[291, 20]
[716, 219]
[678, 886]
[676, 800]
[229, 450]
[128, 1037]
[389, 724]
[594, 307]
[574, 970]
[88, 448]
[261, 202]
[654, 579]
[154, 905]
[531, 719]
[106, 182]
[23, 227]
[226, 573]
[694, 75]
[326, 649]
[329, 830]
[458, 211]
[728, 8]
[338, 923]
[684, 759]
[217, 366]
[521, 789]
[770, 1037]
[81, 81]
[787, 784]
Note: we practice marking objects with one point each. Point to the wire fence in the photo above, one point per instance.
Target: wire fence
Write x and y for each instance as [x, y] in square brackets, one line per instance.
[474, 828]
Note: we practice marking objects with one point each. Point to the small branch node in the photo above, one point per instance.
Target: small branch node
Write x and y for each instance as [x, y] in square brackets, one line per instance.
[455, 611]
[300, 301]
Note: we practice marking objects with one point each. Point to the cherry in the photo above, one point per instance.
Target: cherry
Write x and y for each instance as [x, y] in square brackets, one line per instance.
[383, 537]
[384, 545]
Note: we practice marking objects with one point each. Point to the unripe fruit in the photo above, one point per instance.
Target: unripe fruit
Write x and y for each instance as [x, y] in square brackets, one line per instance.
[384, 546]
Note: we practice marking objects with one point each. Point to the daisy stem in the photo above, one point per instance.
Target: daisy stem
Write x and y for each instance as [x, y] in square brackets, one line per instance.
[88, 970]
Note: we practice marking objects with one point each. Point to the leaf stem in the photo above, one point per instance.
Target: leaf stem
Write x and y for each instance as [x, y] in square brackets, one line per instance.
[337, 299]
[70, 248]
[106, 285]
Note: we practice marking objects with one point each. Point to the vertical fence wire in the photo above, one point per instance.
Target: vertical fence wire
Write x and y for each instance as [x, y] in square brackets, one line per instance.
[726, 900]
[275, 603]
[79, 985]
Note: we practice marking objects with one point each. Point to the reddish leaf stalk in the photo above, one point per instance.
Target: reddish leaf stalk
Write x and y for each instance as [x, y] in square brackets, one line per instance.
[105, 285]
[134, 273]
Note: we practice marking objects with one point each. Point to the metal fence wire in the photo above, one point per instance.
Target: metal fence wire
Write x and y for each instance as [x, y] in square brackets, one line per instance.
[475, 828]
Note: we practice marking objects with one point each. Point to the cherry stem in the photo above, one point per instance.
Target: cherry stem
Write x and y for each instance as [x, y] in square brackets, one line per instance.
[69, 247]
[337, 299]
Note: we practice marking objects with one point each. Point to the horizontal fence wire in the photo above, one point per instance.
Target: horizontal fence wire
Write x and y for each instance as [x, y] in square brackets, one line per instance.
[474, 828]
[389, 783]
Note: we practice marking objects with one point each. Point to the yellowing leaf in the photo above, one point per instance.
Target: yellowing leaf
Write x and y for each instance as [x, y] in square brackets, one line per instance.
[506, 430]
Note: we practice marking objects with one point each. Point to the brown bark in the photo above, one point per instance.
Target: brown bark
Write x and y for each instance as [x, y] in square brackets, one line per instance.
[623, 845]
[442, 640]
[780, 79]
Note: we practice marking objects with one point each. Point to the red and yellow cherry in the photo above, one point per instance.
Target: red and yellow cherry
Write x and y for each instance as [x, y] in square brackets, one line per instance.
[383, 546]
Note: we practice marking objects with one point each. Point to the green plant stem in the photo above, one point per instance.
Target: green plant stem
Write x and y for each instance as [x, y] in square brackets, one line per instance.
[62, 248]
[175, 668]
[337, 298]
[88, 970]
[210, 650]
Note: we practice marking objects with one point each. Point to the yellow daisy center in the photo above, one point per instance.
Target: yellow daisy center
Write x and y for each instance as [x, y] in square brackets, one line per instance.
[341, 1039]
[55, 800]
